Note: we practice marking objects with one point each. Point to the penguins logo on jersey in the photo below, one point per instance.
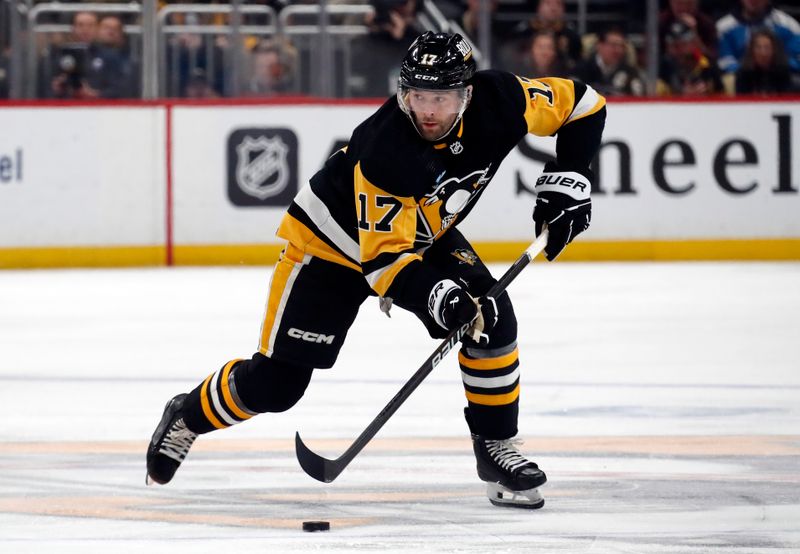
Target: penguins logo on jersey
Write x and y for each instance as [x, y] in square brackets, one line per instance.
[451, 196]
[465, 256]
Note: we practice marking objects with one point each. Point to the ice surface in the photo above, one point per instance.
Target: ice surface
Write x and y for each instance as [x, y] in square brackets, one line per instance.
[662, 400]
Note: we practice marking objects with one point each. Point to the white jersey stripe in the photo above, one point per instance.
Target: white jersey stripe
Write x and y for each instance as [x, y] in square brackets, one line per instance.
[585, 104]
[373, 277]
[318, 212]
[491, 382]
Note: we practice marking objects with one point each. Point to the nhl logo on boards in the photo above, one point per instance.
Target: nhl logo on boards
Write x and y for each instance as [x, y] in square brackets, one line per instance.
[262, 167]
[456, 147]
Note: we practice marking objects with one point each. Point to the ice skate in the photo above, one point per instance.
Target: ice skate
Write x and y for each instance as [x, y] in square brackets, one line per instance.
[170, 443]
[511, 479]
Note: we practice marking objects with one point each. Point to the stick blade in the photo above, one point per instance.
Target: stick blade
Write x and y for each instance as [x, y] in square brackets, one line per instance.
[321, 469]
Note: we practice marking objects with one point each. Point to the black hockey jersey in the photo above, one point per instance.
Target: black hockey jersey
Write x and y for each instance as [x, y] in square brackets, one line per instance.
[378, 203]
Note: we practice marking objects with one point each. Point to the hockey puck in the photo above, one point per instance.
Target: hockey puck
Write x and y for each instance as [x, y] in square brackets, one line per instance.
[312, 526]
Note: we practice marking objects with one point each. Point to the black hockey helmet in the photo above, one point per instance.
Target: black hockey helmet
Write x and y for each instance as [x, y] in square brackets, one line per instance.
[437, 61]
[440, 64]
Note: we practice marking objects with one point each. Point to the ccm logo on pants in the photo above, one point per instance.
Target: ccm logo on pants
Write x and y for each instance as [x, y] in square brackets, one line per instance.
[308, 336]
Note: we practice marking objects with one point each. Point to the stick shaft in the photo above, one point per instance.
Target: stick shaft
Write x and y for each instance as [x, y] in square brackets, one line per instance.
[326, 470]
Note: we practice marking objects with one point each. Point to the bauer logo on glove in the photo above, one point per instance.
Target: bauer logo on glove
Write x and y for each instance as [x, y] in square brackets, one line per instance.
[556, 180]
[563, 205]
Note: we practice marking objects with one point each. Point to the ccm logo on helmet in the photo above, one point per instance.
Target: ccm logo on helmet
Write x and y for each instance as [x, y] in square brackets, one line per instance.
[423, 77]
[309, 336]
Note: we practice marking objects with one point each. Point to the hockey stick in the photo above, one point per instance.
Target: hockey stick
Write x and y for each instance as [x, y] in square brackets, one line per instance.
[325, 470]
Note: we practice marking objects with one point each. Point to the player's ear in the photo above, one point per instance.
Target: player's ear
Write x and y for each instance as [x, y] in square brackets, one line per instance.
[469, 94]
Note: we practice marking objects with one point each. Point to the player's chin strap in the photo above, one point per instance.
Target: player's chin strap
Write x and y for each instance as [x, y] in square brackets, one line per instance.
[326, 470]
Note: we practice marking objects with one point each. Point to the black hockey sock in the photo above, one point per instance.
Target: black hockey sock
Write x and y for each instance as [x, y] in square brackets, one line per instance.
[215, 403]
[242, 389]
[491, 384]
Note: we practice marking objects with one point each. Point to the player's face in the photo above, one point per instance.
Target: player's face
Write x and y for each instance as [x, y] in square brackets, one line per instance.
[434, 111]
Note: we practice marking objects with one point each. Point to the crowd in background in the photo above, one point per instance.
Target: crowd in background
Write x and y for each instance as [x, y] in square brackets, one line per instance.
[706, 47]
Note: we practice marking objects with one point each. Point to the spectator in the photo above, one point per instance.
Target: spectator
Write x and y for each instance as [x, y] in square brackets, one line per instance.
[543, 58]
[765, 68]
[734, 32]
[114, 73]
[470, 22]
[274, 69]
[688, 13]
[470, 19]
[84, 27]
[549, 17]
[63, 66]
[110, 32]
[684, 69]
[607, 70]
[198, 87]
[96, 70]
[190, 57]
[392, 28]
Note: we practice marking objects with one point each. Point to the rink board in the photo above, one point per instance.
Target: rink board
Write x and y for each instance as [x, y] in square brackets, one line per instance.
[188, 183]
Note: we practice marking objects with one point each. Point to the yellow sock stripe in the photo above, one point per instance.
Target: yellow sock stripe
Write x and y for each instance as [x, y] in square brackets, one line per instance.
[493, 399]
[489, 363]
[226, 391]
[207, 405]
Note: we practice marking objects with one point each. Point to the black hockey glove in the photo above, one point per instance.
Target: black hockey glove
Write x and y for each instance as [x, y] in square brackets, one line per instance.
[451, 306]
[563, 204]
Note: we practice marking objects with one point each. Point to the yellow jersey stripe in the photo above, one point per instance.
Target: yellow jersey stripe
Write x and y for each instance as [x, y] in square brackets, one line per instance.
[383, 277]
[286, 270]
[549, 102]
[294, 231]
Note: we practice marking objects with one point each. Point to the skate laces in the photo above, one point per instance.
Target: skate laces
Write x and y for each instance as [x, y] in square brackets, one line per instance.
[506, 453]
[178, 441]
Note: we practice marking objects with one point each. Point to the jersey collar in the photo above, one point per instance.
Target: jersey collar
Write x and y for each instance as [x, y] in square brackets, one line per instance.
[449, 138]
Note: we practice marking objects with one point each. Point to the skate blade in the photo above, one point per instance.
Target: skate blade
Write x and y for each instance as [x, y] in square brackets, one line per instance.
[530, 499]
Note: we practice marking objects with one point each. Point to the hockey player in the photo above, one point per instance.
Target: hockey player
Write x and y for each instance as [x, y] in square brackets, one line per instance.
[380, 219]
